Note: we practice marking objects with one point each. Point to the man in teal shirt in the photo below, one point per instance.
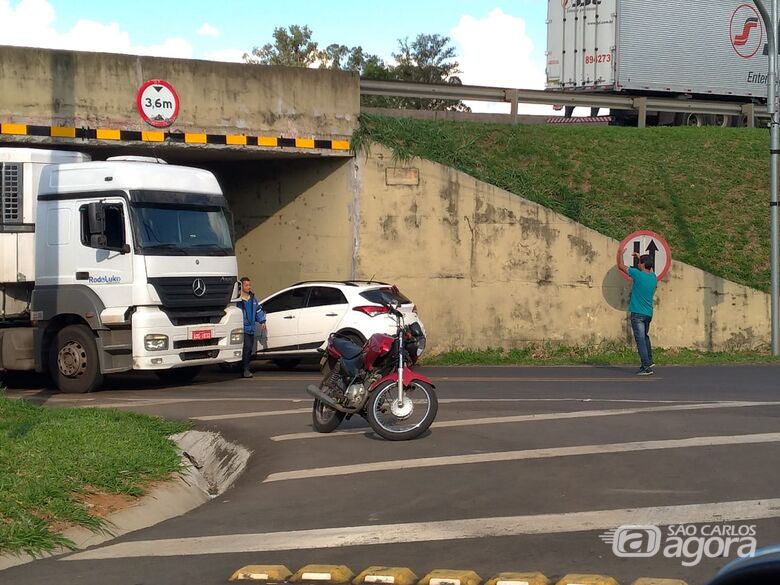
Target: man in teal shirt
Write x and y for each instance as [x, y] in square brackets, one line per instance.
[641, 307]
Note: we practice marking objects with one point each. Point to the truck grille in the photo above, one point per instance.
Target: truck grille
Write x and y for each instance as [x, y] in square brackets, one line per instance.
[184, 307]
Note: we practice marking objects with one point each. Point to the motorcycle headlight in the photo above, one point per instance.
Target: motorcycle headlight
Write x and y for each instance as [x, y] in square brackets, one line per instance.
[236, 337]
[420, 346]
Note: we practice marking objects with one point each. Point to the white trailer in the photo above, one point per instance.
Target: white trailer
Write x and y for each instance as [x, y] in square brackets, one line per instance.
[705, 49]
[111, 266]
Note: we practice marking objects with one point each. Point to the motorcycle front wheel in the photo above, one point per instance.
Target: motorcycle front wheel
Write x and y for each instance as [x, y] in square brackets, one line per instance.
[402, 422]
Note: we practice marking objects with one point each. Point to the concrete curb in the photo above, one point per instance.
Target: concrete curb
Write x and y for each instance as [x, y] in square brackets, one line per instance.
[210, 466]
[340, 575]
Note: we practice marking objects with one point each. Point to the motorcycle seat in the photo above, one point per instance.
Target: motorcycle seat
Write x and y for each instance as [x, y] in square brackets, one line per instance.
[347, 348]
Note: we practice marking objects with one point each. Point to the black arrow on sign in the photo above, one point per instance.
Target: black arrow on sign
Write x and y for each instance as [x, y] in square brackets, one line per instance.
[637, 250]
[652, 248]
[158, 87]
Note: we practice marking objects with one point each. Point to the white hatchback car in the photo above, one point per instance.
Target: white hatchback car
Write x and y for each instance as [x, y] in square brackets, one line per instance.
[300, 318]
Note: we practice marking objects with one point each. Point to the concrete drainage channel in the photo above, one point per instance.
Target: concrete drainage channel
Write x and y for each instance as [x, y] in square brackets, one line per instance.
[211, 465]
[341, 575]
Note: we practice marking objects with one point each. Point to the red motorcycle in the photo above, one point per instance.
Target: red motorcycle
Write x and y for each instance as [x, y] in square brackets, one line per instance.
[375, 382]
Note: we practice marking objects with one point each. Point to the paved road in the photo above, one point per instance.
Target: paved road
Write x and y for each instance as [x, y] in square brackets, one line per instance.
[524, 470]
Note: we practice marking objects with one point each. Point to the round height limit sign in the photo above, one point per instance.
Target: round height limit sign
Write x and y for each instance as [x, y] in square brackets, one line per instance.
[650, 243]
[158, 103]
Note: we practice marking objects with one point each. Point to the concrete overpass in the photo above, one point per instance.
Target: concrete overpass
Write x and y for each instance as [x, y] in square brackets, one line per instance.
[487, 268]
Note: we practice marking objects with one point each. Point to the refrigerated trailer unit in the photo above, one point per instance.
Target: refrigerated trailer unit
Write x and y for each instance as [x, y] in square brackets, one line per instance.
[694, 49]
[112, 266]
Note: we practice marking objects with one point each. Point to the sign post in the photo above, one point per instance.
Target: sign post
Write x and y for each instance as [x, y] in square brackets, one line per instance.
[770, 18]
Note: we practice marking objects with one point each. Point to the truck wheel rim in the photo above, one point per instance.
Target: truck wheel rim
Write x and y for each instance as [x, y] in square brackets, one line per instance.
[72, 359]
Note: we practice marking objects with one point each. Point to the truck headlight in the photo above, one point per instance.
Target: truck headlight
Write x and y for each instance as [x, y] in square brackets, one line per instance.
[154, 342]
[236, 337]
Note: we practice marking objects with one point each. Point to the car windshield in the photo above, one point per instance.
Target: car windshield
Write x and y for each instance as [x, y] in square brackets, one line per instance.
[182, 230]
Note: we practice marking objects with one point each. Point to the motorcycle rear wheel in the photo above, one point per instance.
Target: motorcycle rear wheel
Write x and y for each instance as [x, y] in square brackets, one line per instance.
[323, 418]
[387, 425]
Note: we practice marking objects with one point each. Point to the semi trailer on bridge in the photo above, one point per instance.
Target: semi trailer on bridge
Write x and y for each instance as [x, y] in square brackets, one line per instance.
[112, 266]
[697, 49]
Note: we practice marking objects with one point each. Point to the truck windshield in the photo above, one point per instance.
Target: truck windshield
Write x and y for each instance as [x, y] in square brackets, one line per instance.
[182, 230]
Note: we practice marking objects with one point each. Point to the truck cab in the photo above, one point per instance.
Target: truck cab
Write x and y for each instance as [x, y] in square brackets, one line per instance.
[134, 269]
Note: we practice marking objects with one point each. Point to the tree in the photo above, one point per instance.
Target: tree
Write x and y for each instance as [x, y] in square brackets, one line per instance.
[428, 59]
[346, 58]
[292, 47]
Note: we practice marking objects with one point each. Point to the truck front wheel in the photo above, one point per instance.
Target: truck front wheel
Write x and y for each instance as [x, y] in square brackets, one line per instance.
[73, 360]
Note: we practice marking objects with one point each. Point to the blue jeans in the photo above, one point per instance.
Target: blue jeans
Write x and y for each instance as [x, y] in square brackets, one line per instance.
[247, 351]
[640, 324]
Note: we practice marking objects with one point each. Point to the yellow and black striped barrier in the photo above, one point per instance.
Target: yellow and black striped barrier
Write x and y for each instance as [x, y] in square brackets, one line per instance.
[341, 575]
[160, 137]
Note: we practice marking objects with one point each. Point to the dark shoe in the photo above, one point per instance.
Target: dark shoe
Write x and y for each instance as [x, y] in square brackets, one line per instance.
[645, 372]
[248, 374]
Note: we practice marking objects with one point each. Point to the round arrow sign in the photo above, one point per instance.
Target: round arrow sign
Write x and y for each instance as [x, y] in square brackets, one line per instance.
[646, 242]
[158, 103]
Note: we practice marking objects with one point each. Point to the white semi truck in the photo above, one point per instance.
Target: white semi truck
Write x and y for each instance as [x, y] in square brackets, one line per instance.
[111, 266]
[692, 49]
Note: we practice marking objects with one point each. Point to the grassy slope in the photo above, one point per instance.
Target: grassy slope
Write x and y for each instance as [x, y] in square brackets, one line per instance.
[704, 189]
[51, 456]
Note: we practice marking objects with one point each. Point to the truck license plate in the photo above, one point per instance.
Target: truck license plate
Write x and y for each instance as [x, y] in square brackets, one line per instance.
[201, 334]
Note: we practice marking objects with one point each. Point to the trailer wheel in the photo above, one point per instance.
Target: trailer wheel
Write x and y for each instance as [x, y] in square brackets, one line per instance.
[723, 120]
[695, 119]
[73, 360]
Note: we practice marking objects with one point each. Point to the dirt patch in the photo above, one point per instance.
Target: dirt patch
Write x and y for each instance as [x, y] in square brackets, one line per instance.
[102, 504]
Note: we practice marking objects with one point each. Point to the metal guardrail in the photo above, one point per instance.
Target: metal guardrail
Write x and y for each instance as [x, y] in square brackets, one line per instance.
[641, 105]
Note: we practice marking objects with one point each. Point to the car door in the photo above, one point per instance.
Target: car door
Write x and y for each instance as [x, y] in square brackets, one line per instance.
[282, 320]
[325, 308]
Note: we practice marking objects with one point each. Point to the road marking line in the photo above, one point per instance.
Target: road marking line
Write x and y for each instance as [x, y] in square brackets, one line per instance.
[541, 416]
[547, 453]
[139, 402]
[640, 380]
[437, 531]
[585, 400]
[252, 414]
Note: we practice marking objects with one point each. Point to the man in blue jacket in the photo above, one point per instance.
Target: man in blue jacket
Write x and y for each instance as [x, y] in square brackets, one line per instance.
[641, 306]
[254, 317]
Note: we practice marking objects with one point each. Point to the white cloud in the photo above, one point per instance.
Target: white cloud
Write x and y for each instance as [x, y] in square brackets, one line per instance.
[31, 23]
[228, 55]
[497, 51]
[206, 30]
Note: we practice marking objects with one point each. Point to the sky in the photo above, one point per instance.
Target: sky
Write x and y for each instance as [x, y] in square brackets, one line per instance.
[498, 43]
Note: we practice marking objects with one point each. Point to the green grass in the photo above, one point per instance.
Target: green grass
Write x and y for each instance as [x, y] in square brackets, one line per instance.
[51, 457]
[704, 189]
[604, 354]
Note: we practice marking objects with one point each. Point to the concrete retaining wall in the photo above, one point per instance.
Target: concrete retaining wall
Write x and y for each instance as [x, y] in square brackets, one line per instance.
[488, 268]
[65, 88]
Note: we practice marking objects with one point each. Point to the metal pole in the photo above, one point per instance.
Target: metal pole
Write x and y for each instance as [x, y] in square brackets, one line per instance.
[771, 24]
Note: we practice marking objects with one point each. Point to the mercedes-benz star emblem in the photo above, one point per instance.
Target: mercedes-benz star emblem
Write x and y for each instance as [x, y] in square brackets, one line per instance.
[198, 287]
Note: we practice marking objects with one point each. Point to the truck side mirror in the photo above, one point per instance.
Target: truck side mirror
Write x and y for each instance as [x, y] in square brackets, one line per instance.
[96, 214]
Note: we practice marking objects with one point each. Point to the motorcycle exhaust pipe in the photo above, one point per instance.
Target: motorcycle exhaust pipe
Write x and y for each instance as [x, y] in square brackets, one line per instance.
[325, 399]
